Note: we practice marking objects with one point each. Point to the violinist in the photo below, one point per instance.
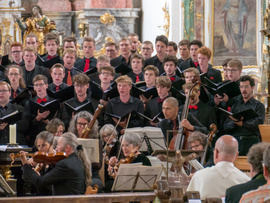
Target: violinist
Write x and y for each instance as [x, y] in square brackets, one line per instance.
[70, 176]
[56, 127]
[131, 143]
[171, 120]
[78, 123]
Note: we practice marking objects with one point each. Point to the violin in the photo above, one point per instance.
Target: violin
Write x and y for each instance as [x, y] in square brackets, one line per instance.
[107, 151]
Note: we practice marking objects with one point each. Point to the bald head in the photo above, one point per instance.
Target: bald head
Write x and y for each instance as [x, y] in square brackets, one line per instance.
[226, 149]
[172, 102]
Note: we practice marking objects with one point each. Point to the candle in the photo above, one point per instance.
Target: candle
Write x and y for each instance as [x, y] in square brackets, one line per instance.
[12, 134]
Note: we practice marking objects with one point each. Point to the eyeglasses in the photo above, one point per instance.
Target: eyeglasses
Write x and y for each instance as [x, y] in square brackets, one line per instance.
[38, 85]
[15, 52]
[4, 91]
[82, 124]
[106, 73]
[232, 70]
[13, 74]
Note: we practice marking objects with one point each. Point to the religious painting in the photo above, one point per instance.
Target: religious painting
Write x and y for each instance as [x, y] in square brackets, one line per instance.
[193, 20]
[234, 24]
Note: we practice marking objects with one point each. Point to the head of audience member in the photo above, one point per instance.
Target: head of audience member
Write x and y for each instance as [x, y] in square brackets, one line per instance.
[15, 76]
[151, 73]
[266, 163]
[255, 158]
[225, 68]
[170, 108]
[106, 74]
[81, 85]
[193, 47]
[111, 50]
[191, 74]
[226, 149]
[234, 70]
[45, 142]
[40, 85]
[56, 127]
[79, 122]
[29, 56]
[32, 40]
[16, 52]
[171, 49]
[124, 84]
[57, 73]
[103, 60]
[195, 94]
[70, 42]
[134, 38]
[170, 65]
[5, 93]
[69, 58]
[161, 44]
[125, 47]
[137, 63]
[108, 134]
[204, 56]
[184, 49]
[147, 49]
[51, 42]
[247, 85]
[131, 143]
[197, 140]
[89, 46]
[163, 85]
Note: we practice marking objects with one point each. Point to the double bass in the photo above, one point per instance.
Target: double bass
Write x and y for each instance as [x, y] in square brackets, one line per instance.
[180, 140]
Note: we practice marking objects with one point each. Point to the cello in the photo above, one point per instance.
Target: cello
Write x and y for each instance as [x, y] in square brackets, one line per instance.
[179, 140]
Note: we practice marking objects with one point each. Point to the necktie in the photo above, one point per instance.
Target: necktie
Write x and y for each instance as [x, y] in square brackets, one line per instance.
[160, 100]
[14, 94]
[172, 79]
[50, 57]
[86, 67]
[174, 127]
[193, 107]
[137, 78]
[57, 88]
[196, 64]
[69, 79]
[41, 100]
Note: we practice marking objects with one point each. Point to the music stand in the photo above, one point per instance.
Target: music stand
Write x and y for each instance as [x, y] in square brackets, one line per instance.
[5, 187]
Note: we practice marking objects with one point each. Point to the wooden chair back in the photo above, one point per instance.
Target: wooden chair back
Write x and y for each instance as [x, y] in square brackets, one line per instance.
[193, 195]
[213, 200]
[265, 132]
[242, 164]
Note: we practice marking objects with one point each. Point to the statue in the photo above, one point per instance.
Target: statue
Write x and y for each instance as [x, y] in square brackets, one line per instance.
[38, 24]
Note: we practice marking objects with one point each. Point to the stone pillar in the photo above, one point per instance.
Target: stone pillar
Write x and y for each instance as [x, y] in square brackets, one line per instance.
[125, 20]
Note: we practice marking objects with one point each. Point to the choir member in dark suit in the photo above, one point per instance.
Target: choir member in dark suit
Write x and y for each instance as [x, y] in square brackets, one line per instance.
[246, 131]
[125, 49]
[201, 111]
[147, 49]
[255, 159]
[170, 66]
[154, 106]
[204, 56]
[124, 104]
[225, 68]
[16, 53]
[134, 38]
[88, 61]
[30, 70]
[111, 50]
[57, 74]
[70, 176]
[7, 108]
[69, 58]
[190, 74]
[161, 44]
[193, 46]
[32, 40]
[137, 63]
[172, 120]
[69, 42]
[171, 49]
[183, 51]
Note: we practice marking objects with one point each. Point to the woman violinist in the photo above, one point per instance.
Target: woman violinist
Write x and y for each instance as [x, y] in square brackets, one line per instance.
[131, 143]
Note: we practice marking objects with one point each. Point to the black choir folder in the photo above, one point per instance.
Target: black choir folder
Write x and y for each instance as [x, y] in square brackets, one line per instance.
[85, 107]
[90, 71]
[63, 94]
[136, 92]
[97, 93]
[25, 94]
[156, 118]
[122, 69]
[230, 88]
[133, 116]
[49, 63]
[246, 114]
[52, 106]
[135, 177]
[11, 118]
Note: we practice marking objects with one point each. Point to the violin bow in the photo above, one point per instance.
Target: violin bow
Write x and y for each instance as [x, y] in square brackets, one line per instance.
[111, 134]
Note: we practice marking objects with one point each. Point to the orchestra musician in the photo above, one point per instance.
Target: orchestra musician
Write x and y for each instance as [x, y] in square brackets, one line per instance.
[131, 143]
[70, 176]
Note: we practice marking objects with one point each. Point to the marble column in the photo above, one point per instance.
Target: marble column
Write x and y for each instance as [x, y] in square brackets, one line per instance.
[125, 20]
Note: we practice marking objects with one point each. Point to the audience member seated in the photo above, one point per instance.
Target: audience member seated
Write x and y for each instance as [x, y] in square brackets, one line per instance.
[255, 159]
[223, 173]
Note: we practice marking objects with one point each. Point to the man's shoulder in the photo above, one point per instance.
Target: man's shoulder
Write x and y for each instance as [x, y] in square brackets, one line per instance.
[151, 60]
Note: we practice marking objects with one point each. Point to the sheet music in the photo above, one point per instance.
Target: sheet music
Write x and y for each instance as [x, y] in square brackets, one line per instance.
[4, 185]
[195, 164]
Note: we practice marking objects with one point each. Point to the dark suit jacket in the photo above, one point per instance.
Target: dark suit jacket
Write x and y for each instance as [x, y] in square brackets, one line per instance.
[38, 70]
[67, 177]
[44, 57]
[186, 64]
[154, 61]
[234, 193]
[120, 60]
[73, 73]
[79, 64]
[213, 74]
